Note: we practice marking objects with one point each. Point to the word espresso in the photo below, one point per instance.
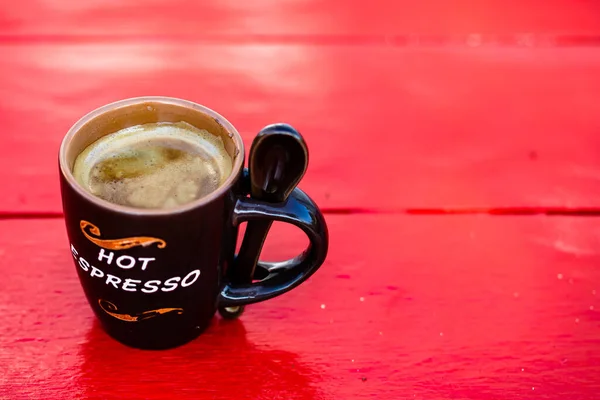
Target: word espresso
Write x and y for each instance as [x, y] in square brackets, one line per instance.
[124, 262]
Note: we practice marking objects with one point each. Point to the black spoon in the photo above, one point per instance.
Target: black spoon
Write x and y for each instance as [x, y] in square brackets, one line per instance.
[277, 162]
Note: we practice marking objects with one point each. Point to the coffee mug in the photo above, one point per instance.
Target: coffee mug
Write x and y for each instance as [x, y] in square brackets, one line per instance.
[156, 277]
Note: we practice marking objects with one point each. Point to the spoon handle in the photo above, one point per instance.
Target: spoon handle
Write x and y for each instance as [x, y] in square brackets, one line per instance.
[277, 161]
[247, 258]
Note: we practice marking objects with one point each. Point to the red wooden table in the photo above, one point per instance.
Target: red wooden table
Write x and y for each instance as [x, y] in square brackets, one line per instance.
[409, 109]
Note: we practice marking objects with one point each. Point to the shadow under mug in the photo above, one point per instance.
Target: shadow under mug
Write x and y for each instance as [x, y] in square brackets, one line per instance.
[155, 278]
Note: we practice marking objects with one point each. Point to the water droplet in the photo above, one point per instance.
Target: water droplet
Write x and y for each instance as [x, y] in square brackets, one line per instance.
[516, 294]
[576, 320]
[592, 308]
[331, 321]
[559, 276]
[380, 333]
[441, 333]
[522, 369]
[352, 360]
[322, 306]
[362, 299]
[594, 292]
[533, 388]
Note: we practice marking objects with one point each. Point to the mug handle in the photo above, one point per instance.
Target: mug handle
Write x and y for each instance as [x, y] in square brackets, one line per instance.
[278, 277]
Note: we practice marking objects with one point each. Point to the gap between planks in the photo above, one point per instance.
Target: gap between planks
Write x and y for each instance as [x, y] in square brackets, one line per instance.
[497, 211]
[471, 40]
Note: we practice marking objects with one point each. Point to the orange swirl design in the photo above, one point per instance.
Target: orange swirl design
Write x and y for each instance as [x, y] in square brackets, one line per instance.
[111, 310]
[117, 244]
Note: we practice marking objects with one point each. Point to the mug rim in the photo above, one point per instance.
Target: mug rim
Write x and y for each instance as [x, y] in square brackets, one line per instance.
[223, 188]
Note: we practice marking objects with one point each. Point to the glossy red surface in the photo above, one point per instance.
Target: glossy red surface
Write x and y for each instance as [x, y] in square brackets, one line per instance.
[439, 307]
[297, 17]
[404, 105]
[428, 126]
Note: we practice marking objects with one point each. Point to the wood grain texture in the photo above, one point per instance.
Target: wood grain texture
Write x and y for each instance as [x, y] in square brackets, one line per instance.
[296, 17]
[387, 127]
[405, 307]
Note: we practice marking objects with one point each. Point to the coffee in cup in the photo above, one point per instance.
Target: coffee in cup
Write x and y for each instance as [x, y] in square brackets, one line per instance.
[154, 165]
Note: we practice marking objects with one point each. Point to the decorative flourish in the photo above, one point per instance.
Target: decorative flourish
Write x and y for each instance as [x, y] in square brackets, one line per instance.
[111, 310]
[118, 244]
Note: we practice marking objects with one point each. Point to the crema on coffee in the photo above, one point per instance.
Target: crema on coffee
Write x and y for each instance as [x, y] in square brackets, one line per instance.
[154, 166]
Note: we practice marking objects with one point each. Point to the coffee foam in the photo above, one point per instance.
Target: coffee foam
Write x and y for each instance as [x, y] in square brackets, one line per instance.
[156, 165]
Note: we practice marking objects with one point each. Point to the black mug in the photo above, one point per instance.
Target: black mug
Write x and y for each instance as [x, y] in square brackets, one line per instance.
[155, 278]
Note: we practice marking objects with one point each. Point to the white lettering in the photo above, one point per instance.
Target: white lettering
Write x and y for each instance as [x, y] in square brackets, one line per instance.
[129, 285]
[145, 262]
[108, 257]
[129, 259]
[96, 273]
[195, 273]
[113, 280]
[150, 286]
[171, 284]
[84, 264]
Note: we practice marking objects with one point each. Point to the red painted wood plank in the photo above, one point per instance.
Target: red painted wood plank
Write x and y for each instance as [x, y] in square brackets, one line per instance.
[387, 127]
[296, 17]
[405, 307]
